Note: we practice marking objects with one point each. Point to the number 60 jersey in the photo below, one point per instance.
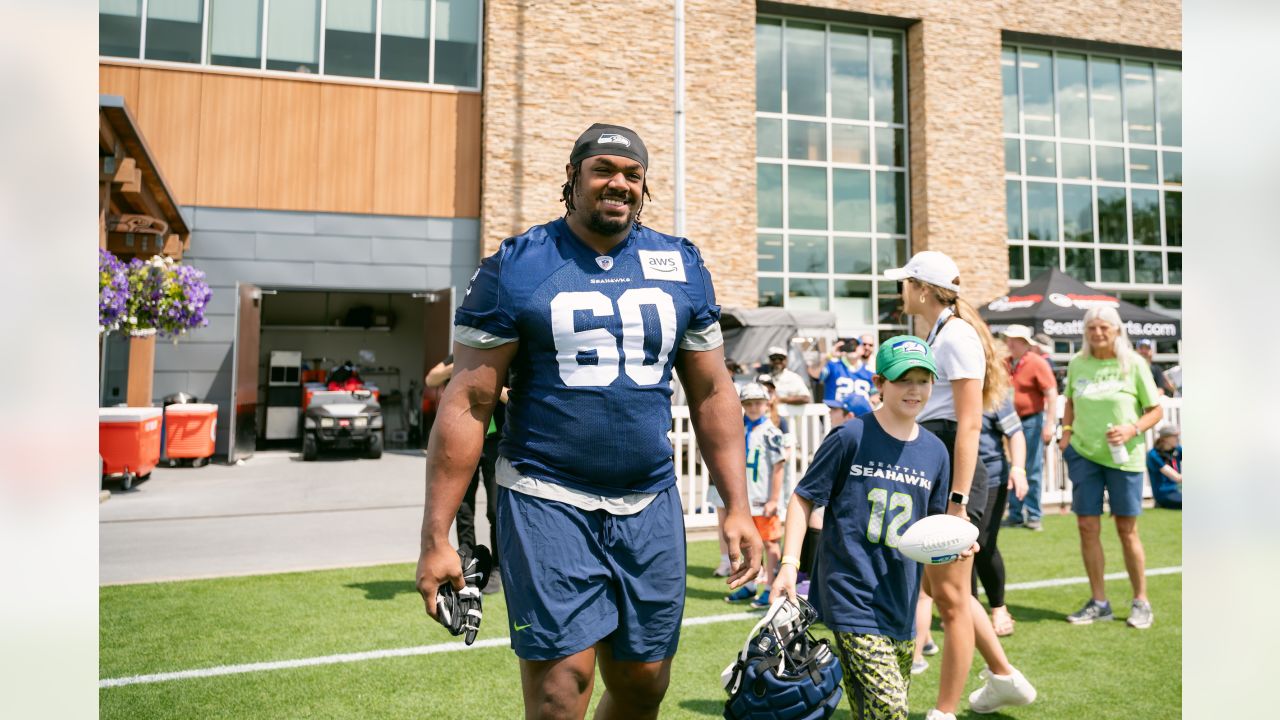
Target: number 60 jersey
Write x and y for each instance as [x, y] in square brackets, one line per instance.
[590, 400]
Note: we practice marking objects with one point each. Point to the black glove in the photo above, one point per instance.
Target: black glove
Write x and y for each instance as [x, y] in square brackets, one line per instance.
[459, 610]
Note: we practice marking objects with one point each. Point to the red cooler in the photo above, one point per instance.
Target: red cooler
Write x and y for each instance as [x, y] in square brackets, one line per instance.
[129, 441]
[190, 430]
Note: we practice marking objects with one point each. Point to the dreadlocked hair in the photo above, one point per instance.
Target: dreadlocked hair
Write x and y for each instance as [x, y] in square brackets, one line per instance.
[567, 190]
[995, 380]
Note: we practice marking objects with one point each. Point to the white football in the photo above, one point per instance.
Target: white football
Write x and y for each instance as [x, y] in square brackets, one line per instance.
[937, 539]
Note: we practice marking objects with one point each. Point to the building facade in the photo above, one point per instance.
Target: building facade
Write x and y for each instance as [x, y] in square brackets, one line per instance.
[386, 145]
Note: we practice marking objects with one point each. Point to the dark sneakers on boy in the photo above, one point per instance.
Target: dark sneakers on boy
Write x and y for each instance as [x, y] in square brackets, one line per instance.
[742, 594]
[1093, 611]
[1140, 615]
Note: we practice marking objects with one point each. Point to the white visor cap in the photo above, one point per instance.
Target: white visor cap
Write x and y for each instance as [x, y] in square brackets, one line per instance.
[929, 266]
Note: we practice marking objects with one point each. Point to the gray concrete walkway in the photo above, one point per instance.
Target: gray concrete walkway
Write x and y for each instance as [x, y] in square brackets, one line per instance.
[274, 513]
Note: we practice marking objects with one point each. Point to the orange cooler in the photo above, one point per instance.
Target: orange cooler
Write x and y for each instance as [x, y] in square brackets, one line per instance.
[190, 430]
[129, 440]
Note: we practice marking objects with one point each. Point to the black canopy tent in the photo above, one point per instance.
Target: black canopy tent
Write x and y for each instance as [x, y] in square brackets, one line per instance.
[1054, 303]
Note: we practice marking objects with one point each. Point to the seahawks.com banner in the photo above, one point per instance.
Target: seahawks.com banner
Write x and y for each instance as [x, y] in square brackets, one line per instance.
[1054, 303]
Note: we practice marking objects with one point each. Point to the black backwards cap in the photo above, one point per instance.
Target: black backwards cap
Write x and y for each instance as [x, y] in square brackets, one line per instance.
[602, 139]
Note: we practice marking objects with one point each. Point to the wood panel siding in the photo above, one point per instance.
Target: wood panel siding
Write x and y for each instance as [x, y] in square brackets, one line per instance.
[290, 141]
[466, 201]
[169, 114]
[242, 140]
[347, 125]
[230, 131]
[443, 149]
[401, 165]
[122, 81]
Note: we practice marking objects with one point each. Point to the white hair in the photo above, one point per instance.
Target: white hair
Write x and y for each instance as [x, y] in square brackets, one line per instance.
[1126, 356]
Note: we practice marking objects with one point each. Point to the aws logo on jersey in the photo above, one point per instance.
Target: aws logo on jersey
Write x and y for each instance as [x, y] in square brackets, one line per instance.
[662, 265]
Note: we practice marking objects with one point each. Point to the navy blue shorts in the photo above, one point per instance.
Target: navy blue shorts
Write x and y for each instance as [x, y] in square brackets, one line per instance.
[1089, 479]
[573, 577]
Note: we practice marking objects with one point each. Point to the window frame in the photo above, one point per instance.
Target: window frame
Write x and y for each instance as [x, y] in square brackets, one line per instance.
[320, 76]
[1161, 187]
[873, 166]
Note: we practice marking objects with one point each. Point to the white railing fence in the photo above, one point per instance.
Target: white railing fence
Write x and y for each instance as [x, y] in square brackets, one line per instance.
[809, 425]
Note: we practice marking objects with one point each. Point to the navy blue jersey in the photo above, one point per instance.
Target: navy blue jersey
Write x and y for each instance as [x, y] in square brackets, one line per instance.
[590, 399]
[874, 487]
[997, 425]
[840, 379]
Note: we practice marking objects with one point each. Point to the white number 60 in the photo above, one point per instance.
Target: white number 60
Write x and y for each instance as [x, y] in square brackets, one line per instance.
[571, 342]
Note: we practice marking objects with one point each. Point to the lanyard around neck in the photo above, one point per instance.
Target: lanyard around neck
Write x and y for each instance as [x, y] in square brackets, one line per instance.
[942, 319]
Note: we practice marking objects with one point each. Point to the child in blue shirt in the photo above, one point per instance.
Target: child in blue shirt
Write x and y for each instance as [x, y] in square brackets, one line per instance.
[875, 475]
[1164, 468]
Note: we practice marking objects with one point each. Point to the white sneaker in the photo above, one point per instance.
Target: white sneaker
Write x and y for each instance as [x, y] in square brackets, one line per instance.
[722, 570]
[936, 714]
[919, 666]
[1001, 691]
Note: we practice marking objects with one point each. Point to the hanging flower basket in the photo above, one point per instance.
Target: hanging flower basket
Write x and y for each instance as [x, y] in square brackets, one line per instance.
[113, 291]
[165, 297]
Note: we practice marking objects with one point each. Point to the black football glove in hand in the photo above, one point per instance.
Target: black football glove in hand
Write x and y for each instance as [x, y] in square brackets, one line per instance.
[459, 610]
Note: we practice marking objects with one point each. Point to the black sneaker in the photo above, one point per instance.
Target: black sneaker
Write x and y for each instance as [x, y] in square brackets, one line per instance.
[494, 585]
[1011, 522]
[1093, 611]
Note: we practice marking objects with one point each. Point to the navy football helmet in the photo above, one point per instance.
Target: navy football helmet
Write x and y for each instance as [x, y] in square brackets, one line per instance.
[783, 672]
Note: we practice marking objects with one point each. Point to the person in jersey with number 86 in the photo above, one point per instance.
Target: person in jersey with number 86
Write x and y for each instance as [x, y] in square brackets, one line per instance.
[875, 475]
[589, 315]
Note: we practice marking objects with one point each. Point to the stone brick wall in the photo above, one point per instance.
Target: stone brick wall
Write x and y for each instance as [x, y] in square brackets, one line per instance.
[553, 68]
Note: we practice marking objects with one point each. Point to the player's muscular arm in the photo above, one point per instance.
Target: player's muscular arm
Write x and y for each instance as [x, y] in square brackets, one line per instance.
[716, 415]
[457, 439]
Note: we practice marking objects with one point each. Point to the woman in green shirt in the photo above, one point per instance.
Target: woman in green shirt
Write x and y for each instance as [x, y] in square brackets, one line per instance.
[1111, 402]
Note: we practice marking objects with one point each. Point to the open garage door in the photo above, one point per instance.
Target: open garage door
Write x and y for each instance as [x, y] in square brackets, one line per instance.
[437, 326]
[243, 431]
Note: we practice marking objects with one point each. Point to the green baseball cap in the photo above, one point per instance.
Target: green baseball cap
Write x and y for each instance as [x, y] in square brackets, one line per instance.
[900, 353]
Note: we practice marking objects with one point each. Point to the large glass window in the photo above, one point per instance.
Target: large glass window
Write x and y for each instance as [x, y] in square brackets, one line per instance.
[293, 36]
[1093, 166]
[175, 29]
[417, 41]
[350, 45]
[119, 27]
[235, 33]
[457, 58]
[831, 170]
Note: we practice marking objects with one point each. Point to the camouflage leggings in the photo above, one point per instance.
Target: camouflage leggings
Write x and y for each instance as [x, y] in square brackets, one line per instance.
[877, 674]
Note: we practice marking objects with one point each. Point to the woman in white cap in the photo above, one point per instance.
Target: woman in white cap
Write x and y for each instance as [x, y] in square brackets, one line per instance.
[1111, 402]
[971, 376]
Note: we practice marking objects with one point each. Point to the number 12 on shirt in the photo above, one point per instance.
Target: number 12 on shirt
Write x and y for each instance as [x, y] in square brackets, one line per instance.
[881, 504]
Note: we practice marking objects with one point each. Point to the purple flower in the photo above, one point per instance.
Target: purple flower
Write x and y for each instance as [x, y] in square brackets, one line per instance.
[113, 291]
[165, 297]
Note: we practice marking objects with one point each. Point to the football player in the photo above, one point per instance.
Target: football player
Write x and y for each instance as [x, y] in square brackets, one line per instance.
[589, 315]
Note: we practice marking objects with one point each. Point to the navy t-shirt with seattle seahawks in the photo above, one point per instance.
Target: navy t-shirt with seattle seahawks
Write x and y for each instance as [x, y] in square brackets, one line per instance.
[590, 400]
[874, 487]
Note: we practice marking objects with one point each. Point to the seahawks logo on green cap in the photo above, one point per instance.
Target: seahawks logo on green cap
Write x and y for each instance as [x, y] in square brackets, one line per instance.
[910, 346]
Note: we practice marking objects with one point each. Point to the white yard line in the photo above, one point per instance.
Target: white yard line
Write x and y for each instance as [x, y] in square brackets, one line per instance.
[496, 642]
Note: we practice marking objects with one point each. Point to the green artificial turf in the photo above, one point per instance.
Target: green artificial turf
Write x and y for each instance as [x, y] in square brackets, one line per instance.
[1105, 670]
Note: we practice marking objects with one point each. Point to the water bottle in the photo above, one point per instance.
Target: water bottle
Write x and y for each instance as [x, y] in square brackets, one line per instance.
[1119, 453]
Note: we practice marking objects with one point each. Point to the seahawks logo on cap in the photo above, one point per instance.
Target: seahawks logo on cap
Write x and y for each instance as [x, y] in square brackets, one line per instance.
[615, 139]
[910, 346]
